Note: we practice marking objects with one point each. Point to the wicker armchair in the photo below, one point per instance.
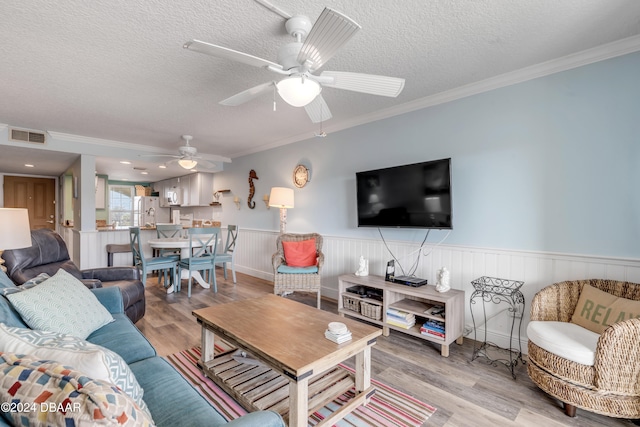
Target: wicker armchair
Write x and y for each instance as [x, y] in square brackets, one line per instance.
[290, 282]
[611, 386]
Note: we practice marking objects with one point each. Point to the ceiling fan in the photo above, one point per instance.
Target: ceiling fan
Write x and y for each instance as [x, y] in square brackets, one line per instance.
[297, 61]
[188, 156]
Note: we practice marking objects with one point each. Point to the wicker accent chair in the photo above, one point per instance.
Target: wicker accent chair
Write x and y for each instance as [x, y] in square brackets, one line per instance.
[611, 386]
[291, 282]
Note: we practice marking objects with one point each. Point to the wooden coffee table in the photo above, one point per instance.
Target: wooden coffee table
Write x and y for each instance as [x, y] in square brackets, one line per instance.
[300, 372]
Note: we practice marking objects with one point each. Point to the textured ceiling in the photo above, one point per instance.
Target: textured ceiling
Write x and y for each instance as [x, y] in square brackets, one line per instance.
[116, 70]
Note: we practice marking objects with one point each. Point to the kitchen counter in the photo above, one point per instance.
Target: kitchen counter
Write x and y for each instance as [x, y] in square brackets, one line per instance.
[122, 228]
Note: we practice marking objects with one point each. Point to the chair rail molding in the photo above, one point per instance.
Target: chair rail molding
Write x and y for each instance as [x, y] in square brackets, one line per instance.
[465, 263]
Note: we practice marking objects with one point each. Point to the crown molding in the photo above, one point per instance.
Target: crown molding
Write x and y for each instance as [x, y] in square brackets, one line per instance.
[575, 60]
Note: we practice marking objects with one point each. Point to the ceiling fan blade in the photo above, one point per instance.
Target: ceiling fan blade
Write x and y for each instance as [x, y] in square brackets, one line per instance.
[365, 83]
[275, 9]
[211, 158]
[226, 53]
[318, 110]
[329, 33]
[203, 164]
[158, 155]
[247, 95]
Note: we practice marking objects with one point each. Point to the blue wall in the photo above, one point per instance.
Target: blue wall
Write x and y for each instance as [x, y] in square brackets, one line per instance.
[545, 165]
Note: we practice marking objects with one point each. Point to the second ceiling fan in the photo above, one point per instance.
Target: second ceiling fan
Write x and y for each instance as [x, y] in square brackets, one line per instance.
[298, 60]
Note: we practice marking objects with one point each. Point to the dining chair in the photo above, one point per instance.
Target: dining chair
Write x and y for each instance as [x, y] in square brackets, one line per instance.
[167, 263]
[229, 254]
[165, 231]
[203, 243]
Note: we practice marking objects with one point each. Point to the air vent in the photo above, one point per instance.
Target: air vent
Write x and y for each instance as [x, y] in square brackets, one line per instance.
[28, 136]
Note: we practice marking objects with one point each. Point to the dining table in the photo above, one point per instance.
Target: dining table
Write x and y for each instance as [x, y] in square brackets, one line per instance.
[181, 243]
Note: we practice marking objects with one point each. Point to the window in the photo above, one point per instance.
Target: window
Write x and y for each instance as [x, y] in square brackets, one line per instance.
[121, 206]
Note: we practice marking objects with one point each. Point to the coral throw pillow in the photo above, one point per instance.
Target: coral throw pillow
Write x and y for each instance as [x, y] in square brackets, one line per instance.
[300, 254]
[598, 309]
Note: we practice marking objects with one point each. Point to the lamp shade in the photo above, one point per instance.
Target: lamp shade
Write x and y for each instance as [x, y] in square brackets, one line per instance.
[298, 91]
[15, 232]
[187, 163]
[281, 197]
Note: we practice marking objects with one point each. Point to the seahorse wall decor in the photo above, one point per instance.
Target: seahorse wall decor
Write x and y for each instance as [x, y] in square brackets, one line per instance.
[252, 189]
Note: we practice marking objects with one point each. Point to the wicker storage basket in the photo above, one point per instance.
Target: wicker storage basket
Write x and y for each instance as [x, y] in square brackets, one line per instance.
[141, 190]
[351, 303]
[372, 311]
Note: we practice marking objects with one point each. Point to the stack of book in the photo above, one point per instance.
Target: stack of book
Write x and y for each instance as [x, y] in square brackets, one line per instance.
[400, 318]
[433, 328]
[337, 332]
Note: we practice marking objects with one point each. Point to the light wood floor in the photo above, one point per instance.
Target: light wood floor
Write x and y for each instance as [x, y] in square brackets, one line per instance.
[465, 393]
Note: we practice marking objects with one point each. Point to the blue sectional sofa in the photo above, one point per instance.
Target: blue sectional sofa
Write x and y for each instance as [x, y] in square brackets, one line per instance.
[171, 400]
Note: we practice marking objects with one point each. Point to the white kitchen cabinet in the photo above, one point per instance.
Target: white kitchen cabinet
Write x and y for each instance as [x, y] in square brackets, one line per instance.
[160, 188]
[200, 189]
[195, 189]
[185, 186]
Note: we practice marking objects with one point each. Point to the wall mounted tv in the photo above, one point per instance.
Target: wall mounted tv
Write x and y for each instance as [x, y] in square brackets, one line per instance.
[413, 196]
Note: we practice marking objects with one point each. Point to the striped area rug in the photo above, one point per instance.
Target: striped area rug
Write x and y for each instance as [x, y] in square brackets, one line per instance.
[388, 407]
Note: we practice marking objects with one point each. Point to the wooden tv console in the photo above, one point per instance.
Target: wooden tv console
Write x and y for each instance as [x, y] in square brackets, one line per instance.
[405, 298]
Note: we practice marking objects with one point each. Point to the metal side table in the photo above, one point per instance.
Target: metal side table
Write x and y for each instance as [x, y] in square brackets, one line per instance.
[495, 291]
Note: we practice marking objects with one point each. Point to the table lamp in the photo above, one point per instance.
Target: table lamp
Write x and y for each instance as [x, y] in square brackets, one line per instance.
[282, 198]
[15, 232]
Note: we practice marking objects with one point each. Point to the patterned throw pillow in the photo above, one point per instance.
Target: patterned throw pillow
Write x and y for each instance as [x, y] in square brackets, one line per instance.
[61, 304]
[40, 278]
[93, 360]
[44, 392]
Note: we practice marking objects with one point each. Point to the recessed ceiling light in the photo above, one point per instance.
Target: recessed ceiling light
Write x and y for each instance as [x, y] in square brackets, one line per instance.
[29, 165]
[144, 173]
[125, 162]
[162, 166]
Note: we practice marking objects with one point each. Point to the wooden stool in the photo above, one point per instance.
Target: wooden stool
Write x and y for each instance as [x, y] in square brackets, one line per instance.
[116, 249]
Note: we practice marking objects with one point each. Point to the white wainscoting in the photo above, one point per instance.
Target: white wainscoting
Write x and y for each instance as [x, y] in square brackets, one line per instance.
[536, 269]
[94, 247]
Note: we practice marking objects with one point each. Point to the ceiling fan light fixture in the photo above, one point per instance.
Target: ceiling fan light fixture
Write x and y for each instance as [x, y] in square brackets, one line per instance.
[298, 91]
[187, 163]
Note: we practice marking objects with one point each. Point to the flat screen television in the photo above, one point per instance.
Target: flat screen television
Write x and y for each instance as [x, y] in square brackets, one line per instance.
[413, 196]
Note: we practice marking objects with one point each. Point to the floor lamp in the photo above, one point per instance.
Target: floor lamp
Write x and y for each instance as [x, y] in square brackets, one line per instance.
[14, 230]
[282, 198]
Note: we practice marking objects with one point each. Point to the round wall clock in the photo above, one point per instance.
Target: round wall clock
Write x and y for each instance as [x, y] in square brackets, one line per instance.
[300, 176]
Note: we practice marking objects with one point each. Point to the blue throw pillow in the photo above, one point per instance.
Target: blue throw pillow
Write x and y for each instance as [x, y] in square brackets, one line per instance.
[61, 304]
[5, 282]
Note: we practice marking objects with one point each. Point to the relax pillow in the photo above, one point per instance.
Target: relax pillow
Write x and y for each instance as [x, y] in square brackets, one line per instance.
[94, 361]
[300, 254]
[60, 395]
[596, 309]
[61, 304]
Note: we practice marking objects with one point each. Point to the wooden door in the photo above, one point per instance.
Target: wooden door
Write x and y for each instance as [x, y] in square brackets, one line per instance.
[38, 195]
